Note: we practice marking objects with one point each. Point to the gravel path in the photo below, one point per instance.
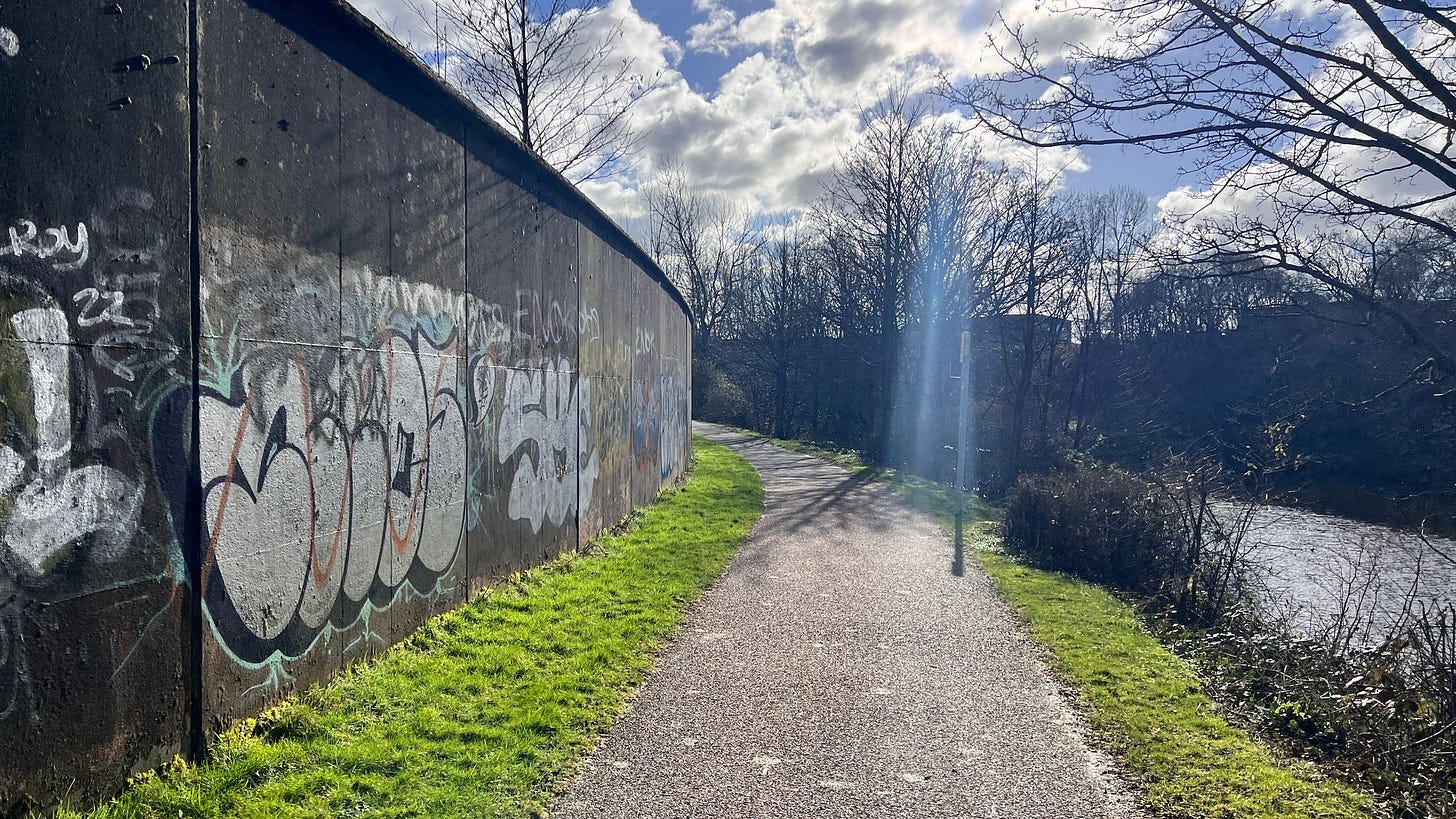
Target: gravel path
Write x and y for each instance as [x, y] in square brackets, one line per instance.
[841, 669]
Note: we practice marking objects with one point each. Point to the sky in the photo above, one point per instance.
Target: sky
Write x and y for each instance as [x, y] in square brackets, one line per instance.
[757, 99]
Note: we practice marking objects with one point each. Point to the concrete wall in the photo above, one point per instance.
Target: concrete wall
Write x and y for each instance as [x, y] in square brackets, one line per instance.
[295, 351]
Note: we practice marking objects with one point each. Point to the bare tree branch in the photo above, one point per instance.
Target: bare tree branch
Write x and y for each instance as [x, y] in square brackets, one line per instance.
[548, 72]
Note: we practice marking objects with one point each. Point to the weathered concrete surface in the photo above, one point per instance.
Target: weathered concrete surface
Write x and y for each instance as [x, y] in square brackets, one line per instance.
[94, 349]
[296, 350]
[840, 669]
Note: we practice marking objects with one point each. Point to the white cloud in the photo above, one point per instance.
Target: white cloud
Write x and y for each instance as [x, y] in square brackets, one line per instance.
[847, 48]
[768, 134]
[1058, 27]
[715, 34]
[401, 20]
[618, 197]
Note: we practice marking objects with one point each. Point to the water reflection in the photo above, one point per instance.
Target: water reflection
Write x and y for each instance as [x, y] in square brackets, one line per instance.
[1325, 571]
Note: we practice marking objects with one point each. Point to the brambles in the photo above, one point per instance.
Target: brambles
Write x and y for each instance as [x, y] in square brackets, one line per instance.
[1385, 715]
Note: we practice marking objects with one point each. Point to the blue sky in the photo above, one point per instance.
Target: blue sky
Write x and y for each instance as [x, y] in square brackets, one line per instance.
[702, 69]
[758, 98]
[1150, 173]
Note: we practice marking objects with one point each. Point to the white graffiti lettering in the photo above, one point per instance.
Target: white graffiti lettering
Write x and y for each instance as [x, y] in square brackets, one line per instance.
[589, 324]
[124, 303]
[26, 240]
[62, 505]
[646, 341]
[111, 312]
[541, 422]
[538, 319]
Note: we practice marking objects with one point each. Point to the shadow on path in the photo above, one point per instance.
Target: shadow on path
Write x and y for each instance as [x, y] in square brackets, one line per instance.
[838, 670]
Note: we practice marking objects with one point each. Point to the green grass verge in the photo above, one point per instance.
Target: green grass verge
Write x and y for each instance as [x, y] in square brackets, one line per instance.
[1147, 704]
[484, 710]
[1141, 700]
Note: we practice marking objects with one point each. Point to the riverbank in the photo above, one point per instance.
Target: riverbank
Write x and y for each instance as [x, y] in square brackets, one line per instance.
[1151, 709]
[485, 710]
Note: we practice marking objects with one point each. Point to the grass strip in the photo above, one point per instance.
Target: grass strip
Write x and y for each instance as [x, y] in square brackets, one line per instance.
[485, 710]
[1148, 705]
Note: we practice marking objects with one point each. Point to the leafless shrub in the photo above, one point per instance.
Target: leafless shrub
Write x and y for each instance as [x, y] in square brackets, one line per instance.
[1170, 535]
[1213, 528]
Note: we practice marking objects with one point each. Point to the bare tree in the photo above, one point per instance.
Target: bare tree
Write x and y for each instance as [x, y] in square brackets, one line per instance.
[549, 72]
[968, 230]
[782, 309]
[1343, 114]
[966, 235]
[874, 207]
[1391, 260]
[1243, 246]
[1042, 267]
[1112, 227]
[706, 245]
[1327, 103]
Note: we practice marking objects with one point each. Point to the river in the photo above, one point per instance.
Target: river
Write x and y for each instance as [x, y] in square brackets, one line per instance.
[1323, 570]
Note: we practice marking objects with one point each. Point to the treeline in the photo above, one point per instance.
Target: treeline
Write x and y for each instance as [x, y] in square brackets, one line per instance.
[1088, 334]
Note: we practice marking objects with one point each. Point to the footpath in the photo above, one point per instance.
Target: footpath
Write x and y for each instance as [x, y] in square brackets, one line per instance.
[844, 667]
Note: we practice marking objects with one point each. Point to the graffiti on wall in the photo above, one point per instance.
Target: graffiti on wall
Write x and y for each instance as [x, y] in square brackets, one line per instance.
[359, 464]
[77, 400]
[335, 475]
[672, 443]
[542, 428]
[337, 424]
[27, 239]
[334, 468]
[659, 427]
[55, 503]
[196, 504]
